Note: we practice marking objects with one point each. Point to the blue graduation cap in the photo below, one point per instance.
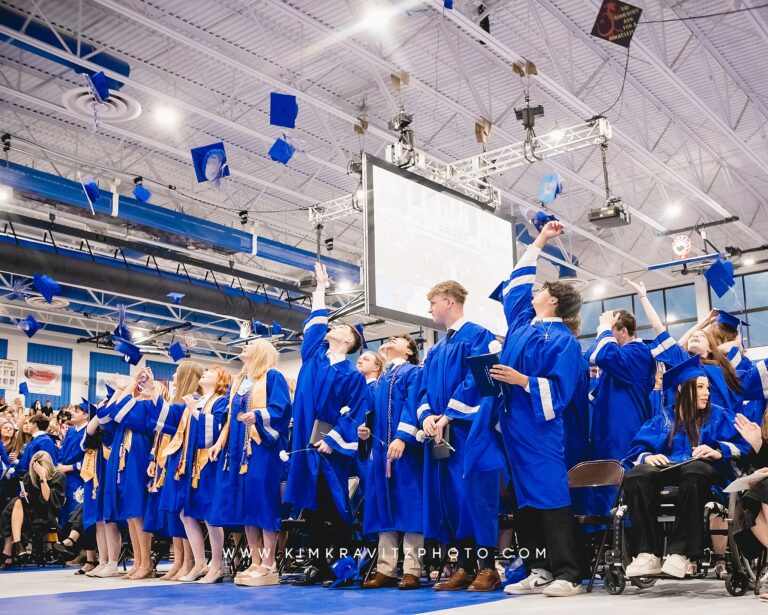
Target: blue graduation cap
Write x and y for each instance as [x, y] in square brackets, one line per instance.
[140, 193]
[729, 320]
[541, 219]
[210, 162]
[110, 390]
[358, 329]
[176, 297]
[97, 83]
[29, 326]
[687, 370]
[88, 407]
[277, 328]
[283, 110]
[46, 285]
[176, 351]
[448, 4]
[258, 328]
[23, 388]
[720, 276]
[498, 293]
[121, 330]
[281, 151]
[92, 192]
[550, 187]
[131, 353]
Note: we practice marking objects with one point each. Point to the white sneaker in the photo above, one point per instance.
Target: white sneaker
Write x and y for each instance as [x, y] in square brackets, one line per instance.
[562, 589]
[676, 566]
[645, 564]
[109, 570]
[92, 573]
[534, 583]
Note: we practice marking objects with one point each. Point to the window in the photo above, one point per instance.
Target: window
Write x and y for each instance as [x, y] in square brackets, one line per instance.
[676, 307]
[748, 299]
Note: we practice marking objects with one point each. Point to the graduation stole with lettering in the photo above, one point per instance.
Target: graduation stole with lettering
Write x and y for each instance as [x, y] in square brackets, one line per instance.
[255, 397]
[201, 455]
[88, 469]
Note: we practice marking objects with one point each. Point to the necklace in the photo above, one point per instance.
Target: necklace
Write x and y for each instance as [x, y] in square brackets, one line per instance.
[546, 333]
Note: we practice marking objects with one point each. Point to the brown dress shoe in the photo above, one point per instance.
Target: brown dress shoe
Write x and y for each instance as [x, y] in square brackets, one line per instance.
[380, 580]
[459, 580]
[409, 581]
[486, 581]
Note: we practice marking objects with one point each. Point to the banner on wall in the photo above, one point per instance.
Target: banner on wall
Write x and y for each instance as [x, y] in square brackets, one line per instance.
[42, 379]
[9, 374]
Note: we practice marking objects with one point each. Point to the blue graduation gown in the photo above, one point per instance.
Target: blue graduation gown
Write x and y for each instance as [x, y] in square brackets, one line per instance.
[576, 420]
[333, 393]
[125, 491]
[395, 503]
[156, 520]
[621, 403]
[253, 497]
[457, 505]
[179, 494]
[93, 499]
[718, 432]
[42, 442]
[531, 420]
[70, 453]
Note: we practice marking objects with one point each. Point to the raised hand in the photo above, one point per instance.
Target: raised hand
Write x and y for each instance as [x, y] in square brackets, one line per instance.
[638, 286]
[321, 275]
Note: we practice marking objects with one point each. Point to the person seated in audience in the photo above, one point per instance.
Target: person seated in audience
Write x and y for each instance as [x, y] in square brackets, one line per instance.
[35, 511]
[690, 448]
[37, 407]
[40, 441]
[47, 407]
[3, 404]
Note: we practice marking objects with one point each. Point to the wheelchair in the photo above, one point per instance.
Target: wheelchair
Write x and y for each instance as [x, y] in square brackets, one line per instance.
[747, 571]
[617, 556]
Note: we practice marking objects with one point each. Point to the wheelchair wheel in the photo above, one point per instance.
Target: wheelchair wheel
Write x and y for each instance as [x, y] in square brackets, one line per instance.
[615, 581]
[737, 584]
[643, 582]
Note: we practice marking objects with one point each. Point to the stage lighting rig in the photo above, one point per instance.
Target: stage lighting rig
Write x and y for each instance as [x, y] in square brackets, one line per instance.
[402, 152]
[614, 212]
[243, 216]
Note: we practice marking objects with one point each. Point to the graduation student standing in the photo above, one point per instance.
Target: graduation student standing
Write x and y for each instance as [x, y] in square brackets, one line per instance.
[539, 365]
[395, 470]
[329, 404]
[460, 510]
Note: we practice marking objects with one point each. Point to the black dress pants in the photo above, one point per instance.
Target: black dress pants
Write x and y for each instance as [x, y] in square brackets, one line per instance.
[548, 538]
[642, 489]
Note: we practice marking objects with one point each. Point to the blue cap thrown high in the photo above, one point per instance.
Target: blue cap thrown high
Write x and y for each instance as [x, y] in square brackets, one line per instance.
[46, 285]
[281, 151]
[720, 276]
[687, 370]
[729, 320]
[176, 351]
[131, 353]
[283, 110]
[29, 326]
[210, 162]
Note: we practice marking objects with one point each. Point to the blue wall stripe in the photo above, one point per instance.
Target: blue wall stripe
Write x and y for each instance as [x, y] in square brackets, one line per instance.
[3, 355]
[52, 355]
[162, 370]
[103, 362]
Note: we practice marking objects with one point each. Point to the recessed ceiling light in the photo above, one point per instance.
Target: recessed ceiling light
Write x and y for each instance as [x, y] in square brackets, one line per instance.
[6, 194]
[166, 117]
[748, 262]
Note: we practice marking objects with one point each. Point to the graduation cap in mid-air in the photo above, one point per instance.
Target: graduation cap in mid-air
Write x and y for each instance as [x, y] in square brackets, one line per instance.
[29, 326]
[729, 320]
[92, 192]
[550, 187]
[283, 110]
[720, 276]
[176, 351]
[46, 285]
[541, 219]
[687, 370]
[277, 328]
[23, 388]
[176, 297]
[616, 22]
[131, 353]
[141, 193]
[258, 328]
[281, 151]
[97, 84]
[109, 389]
[210, 163]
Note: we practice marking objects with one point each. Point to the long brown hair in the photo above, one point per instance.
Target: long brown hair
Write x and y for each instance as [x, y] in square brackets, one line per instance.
[187, 380]
[716, 357]
[688, 417]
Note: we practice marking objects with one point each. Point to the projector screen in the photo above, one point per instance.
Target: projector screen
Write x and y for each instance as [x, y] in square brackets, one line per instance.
[419, 233]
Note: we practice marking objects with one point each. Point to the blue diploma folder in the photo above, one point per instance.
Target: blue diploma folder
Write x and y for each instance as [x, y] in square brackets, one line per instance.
[480, 367]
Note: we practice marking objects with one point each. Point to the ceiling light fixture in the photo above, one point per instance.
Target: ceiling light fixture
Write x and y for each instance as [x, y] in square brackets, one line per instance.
[166, 117]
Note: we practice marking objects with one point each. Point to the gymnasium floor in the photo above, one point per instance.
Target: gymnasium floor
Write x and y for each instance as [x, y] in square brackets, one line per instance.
[59, 592]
